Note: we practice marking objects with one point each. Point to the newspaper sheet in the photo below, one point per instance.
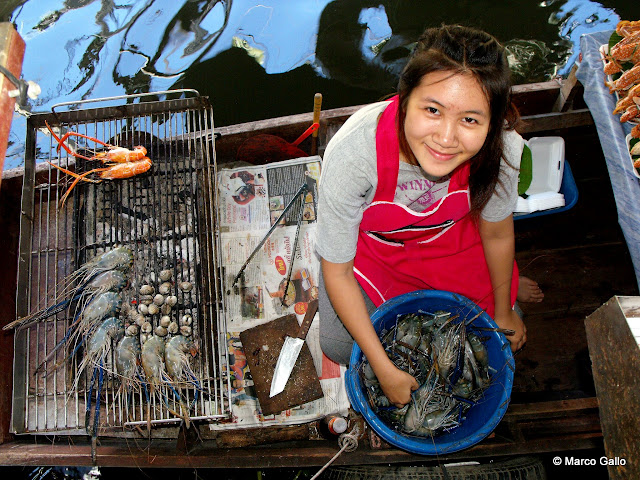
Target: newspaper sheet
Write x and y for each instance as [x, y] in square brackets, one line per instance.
[278, 280]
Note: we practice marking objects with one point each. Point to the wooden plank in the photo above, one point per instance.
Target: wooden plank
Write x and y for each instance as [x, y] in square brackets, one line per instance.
[12, 48]
[555, 120]
[531, 99]
[561, 407]
[570, 89]
[159, 454]
[616, 363]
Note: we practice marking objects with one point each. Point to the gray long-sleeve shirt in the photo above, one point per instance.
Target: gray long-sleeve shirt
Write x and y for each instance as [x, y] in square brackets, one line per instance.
[349, 180]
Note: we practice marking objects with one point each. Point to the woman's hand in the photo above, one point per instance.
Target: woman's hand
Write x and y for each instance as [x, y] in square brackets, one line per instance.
[396, 384]
[513, 322]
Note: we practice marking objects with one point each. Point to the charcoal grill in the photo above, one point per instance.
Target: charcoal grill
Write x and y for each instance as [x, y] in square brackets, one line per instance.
[165, 216]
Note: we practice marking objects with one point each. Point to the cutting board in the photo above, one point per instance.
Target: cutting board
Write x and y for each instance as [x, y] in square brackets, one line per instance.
[262, 345]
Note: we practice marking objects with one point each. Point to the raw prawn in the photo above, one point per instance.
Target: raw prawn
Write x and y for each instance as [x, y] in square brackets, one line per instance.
[99, 344]
[449, 361]
[128, 366]
[98, 347]
[176, 358]
[109, 281]
[88, 316]
[152, 358]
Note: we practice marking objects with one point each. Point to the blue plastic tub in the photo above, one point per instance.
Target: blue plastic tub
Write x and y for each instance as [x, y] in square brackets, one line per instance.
[568, 188]
[481, 418]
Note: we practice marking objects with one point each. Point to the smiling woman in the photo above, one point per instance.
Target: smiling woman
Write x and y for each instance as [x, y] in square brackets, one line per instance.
[420, 207]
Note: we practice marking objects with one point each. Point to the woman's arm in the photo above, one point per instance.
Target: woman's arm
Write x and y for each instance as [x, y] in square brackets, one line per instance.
[348, 303]
[498, 242]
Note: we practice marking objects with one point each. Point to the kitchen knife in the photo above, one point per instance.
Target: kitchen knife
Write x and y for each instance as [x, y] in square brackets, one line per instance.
[290, 351]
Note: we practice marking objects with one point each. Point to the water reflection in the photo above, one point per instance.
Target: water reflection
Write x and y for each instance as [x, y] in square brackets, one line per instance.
[268, 59]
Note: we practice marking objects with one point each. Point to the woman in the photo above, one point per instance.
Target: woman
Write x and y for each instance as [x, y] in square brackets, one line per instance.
[418, 193]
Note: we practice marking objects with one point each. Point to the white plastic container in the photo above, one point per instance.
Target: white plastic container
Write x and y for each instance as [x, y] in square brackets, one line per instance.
[548, 164]
[547, 155]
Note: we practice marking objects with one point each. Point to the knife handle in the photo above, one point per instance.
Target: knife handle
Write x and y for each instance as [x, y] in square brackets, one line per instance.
[312, 308]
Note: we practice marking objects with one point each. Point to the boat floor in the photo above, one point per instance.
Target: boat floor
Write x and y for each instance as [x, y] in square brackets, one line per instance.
[580, 260]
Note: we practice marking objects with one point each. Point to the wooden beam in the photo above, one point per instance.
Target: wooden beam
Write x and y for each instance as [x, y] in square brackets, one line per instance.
[569, 90]
[555, 121]
[12, 48]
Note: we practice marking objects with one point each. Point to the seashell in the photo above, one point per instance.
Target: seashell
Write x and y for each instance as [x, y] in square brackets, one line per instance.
[158, 299]
[143, 309]
[185, 330]
[154, 309]
[165, 321]
[161, 331]
[144, 337]
[165, 275]
[164, 288]
[132, 330]
[146, 327]
[173, 328]
[165, 309]
[147, 290]
[186, 286]
[146, 299]
[186, 320]
[140, 319]
[171, 300]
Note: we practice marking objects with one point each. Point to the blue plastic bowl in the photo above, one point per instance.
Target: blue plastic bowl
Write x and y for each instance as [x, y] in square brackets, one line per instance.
[481, 418]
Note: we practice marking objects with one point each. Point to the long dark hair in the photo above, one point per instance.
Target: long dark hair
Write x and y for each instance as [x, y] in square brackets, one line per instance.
[463, 50]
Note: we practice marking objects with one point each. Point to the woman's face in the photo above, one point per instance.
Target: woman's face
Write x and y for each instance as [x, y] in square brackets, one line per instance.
[447, 121]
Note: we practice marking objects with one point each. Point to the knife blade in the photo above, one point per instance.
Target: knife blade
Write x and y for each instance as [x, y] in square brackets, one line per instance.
[290, 351]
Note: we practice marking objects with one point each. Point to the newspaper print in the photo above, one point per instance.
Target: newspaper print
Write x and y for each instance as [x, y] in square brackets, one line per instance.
[251, 200]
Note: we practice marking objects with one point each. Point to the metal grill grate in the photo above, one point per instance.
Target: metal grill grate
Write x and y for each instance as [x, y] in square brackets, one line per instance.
[166, 217]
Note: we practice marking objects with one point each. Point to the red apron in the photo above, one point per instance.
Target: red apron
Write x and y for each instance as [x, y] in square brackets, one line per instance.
[400, 250]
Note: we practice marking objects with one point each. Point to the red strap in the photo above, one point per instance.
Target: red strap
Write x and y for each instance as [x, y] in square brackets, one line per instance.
[387, 153]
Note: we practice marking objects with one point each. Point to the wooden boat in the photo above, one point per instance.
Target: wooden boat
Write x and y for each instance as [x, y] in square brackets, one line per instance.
[580, 263]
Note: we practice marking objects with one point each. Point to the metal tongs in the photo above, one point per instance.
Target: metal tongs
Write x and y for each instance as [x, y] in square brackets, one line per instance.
[302, 191]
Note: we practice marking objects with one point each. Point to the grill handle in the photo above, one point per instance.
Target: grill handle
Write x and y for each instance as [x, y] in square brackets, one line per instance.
[123, 97]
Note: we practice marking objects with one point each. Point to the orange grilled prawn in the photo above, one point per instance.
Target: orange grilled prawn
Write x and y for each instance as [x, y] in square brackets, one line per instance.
[122, 162]
[117, 171]
[113, 154]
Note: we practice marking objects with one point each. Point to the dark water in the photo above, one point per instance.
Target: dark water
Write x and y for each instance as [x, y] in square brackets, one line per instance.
[261, 60]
